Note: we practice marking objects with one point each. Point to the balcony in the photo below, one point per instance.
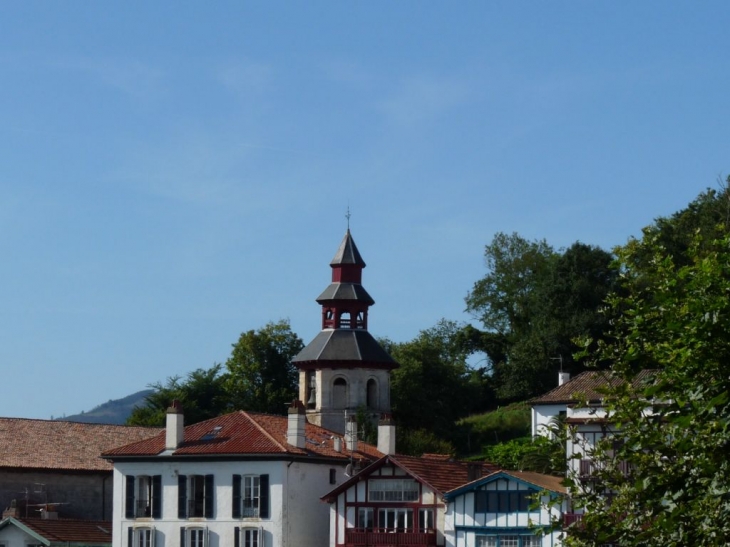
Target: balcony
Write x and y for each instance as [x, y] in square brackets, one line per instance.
[587, 468]
[389, 537]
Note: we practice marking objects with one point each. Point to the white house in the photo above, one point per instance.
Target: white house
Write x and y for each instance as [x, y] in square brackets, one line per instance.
[398, 500]
[239, 480]
[505, 509]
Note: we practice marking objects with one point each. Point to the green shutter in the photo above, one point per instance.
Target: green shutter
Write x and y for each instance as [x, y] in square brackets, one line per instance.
[209, 493]
[236, 509]
[129, 497]
[182, 497]
[157, 496]
[264, 496]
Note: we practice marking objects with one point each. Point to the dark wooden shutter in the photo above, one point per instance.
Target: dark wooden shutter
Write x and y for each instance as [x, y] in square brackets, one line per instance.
[236, 510]
[130, 537]
[237, 531]
[264, 496]
[182, 497]
[182, 537]
[209, 493]
[129, 498]
[156, 496]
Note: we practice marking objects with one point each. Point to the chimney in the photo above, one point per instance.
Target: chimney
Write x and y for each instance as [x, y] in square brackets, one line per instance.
[337, 444]
[351, 434]
[297, 420]
[563, 377]
[174, 430]
[386, 435]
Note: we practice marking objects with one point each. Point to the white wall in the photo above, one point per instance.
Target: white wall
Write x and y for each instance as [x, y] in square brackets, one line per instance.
[297, 516]
[541, 416]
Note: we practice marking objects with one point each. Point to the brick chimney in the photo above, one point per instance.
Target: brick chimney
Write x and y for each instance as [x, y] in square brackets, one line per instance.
[295, 427]
[174, 430]
[386, 435]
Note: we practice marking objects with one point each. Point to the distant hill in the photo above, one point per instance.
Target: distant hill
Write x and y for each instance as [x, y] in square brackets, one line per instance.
[112, 412]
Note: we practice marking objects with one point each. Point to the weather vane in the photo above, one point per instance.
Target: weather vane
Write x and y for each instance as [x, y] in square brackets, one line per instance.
[347, 216]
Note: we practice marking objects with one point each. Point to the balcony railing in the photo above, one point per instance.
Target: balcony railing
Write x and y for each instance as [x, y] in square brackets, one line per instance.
[588, 468]
[382, 537]
[196, 508]
[142, 508]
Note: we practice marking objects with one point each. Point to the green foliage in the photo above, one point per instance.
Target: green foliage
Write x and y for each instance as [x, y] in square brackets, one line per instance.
[541, 454]
[533, 302]
[417, 442]
[433, 386]
[673, 311]
[494, 427]
[261, 376]
[201, 393]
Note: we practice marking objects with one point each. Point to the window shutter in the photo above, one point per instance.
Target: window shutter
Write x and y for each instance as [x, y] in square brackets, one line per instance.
[129, 498]
[237, 535]
[236, 510]
[209, 497]
[157, 496]
[130, 537]
[183, 531]
[152, 537]
[264, 496]
[182, 497]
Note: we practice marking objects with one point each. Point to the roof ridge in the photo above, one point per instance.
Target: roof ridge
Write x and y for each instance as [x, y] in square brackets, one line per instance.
[263, 430]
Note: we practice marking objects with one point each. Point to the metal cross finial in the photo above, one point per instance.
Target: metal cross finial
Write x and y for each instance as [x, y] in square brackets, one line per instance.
[347, 216]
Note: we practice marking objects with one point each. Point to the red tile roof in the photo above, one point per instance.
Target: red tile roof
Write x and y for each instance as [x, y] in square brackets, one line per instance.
[57, 445]
[67, 530]
[442, 475]
[439, 472]
[585, 385]
[244, 434]
[548, 482]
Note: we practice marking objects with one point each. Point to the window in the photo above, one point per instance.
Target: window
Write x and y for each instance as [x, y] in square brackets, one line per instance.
[250, 496]
[395, 519]
[365, 518]
[193, 537]
[425, 520]
[392, 490]
[195, 496]
[372, 394]
[503, 501]
[140, 537]
[333, 476]
[249, 537]
[143, 497]
[508, 541]
[339, 393]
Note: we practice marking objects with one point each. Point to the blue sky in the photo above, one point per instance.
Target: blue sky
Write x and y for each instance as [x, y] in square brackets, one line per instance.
[173, 174]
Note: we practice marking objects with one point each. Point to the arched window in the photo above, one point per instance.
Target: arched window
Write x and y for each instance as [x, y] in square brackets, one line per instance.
[372, 394]
[339, 393]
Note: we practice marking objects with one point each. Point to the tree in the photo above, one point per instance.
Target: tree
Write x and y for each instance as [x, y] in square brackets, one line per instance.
[673, 312]
[261, 376]
[432, 388]
[202, 394]
[533, 302]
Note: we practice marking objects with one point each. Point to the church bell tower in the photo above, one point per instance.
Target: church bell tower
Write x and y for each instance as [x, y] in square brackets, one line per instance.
[344, 368]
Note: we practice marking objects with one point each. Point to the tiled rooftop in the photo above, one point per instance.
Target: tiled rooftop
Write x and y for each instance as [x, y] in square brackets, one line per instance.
[440, 472]
[443, 475]
[57, 445]
[70, 531]
[585, 385]
[245, 433]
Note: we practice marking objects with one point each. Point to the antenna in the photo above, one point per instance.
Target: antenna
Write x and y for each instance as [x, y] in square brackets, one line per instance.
[347, 216]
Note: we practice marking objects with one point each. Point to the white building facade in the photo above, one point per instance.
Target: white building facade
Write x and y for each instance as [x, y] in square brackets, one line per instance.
[240, 480]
